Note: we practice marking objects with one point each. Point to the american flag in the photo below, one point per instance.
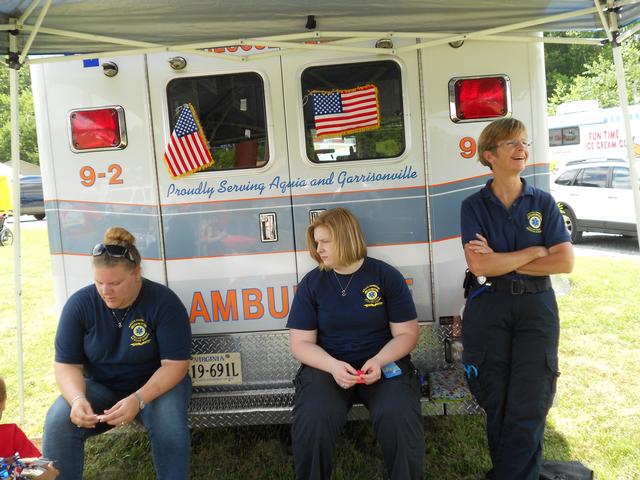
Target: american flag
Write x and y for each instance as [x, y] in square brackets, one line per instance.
[339, 112]
[187, 150]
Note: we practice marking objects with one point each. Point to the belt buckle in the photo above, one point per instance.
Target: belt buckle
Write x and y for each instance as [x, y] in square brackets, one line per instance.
[517, 287]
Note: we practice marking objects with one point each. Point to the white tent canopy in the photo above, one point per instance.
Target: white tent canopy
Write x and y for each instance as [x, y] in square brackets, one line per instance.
[71, 26]
[82, 28]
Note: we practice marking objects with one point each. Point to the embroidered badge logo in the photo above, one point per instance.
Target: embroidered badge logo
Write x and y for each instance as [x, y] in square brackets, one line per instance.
[535, 222]
[372, 297]
[140, 333]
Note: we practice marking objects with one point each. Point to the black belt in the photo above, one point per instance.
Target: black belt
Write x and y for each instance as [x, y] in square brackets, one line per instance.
[518, 286]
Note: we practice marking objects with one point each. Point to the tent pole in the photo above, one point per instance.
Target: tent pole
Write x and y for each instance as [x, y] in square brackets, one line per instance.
[612, 29]
[15, 162]
[626, 117]
[34, 32]
[27, 12]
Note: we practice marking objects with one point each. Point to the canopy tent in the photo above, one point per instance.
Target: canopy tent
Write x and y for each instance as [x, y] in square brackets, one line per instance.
[90, 28]
[72, 26]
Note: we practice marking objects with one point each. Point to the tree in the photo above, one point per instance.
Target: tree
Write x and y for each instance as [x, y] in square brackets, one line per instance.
[597, 81]
[564, 62]
[28, 139]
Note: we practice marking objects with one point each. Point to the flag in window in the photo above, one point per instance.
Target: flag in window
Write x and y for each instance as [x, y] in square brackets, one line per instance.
[187, 151]
[338, 112]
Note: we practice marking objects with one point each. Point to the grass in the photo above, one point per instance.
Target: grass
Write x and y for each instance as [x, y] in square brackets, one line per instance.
[38, 329]
[595, 419]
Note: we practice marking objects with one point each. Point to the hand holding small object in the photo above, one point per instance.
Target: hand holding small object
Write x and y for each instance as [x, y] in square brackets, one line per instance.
[344, 374]
[82, 414]
[372, 371]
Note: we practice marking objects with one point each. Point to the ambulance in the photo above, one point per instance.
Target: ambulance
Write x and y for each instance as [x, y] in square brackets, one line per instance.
[230, 239]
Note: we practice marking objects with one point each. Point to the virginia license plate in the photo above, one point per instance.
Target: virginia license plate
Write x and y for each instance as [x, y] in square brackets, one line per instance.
[216, 369]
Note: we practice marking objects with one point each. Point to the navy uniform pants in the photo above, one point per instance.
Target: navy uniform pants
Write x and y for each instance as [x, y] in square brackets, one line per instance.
[321, 408]
[511, 362]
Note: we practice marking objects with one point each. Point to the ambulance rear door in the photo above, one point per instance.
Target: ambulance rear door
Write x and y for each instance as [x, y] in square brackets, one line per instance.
[378, 173]
[227, 230]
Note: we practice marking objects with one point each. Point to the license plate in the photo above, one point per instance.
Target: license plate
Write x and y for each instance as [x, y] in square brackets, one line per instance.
[216, 369]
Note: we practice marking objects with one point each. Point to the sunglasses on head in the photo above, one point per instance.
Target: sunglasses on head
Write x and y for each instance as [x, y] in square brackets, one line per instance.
[114, 251]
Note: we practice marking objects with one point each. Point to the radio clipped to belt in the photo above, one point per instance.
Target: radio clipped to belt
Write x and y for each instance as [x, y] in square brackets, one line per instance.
[474, 286]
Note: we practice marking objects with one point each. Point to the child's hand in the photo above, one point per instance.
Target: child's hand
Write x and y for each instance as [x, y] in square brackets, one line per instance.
[50, 472]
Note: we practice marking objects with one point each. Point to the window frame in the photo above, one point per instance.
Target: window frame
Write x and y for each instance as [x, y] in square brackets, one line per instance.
[561, 130]
[266, 112]
[406, 126]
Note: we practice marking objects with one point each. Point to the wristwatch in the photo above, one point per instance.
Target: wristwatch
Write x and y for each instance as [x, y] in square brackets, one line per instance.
[141, 403]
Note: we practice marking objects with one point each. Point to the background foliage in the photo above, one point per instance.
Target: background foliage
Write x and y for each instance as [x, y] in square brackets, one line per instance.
[28, 140]
[585, 72]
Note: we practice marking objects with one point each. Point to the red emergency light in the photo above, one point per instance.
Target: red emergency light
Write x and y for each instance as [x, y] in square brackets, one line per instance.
[97, 129]
[473, 99]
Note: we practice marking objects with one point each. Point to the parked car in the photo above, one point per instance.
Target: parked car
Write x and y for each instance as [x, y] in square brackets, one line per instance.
[31, 198]
[594, 195]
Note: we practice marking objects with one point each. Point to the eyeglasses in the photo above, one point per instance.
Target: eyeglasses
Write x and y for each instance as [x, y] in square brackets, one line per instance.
[514, 143]
[114, 251]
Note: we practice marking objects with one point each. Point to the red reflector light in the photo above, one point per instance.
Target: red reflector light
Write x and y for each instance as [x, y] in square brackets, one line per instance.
[97, 129]
[479, 98]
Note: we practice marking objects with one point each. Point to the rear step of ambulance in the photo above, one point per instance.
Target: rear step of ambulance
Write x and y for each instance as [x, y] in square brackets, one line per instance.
[442, 394]
[264, 398]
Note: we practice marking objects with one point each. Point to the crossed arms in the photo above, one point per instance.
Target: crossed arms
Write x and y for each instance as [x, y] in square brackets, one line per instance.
[535, 261]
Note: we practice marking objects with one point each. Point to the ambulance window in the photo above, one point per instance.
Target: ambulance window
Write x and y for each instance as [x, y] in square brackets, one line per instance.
[353, 111]
[231, 111]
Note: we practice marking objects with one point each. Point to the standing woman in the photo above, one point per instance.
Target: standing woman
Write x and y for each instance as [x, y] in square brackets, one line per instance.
[351, 317]
[514, 238]
[121, 354]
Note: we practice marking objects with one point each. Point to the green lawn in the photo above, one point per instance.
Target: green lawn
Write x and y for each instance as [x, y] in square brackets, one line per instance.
[596, 417]
[38, 329]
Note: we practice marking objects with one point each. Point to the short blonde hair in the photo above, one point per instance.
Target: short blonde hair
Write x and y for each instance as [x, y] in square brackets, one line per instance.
[495, 132]
[346, 234]
[119, 236]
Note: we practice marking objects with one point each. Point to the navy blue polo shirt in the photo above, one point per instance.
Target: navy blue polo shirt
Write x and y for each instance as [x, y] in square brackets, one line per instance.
[353, 328]
[533, 220]
[123, 359]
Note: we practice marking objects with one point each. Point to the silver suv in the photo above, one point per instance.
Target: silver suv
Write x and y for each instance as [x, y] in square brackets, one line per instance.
[595, 195]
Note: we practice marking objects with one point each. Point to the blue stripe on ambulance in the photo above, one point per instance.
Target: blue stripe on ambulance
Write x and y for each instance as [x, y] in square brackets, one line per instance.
[388, 217]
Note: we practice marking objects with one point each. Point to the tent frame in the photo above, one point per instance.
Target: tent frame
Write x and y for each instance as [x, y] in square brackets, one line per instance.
[338, 41]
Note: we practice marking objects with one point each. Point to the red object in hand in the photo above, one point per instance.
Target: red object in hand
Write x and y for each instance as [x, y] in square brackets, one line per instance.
[361, 375]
